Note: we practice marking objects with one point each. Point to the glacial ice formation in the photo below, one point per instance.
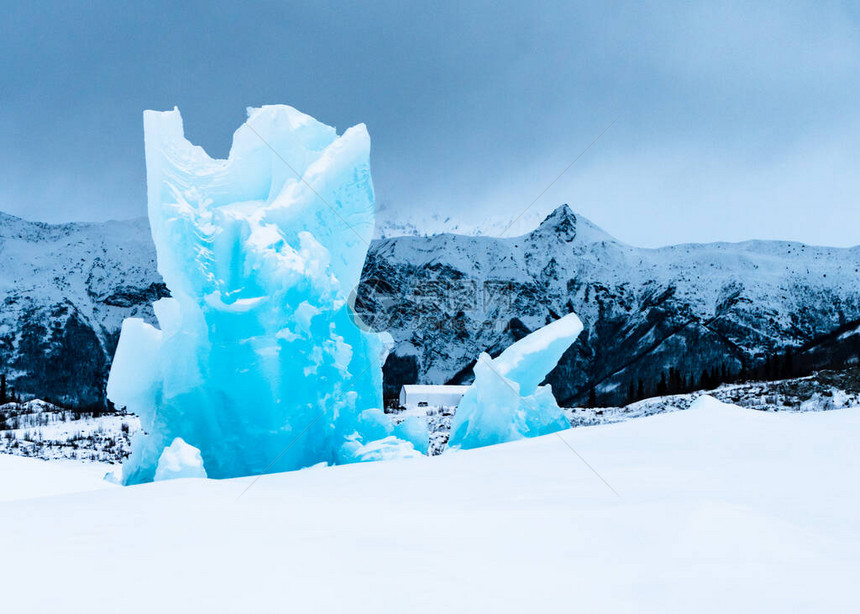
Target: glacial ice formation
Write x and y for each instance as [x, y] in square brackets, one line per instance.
[179, 460]
[506, 401]
[414, 430]
[258, 361]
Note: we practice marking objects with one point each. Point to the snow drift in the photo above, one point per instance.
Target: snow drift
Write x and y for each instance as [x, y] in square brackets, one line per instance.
[723, 509]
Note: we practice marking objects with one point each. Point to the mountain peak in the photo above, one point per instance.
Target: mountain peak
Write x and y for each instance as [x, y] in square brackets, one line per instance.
[562, 221]
[567, 226]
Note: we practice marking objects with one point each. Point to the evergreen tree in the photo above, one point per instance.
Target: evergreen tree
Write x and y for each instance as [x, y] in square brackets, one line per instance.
[592, 398]
[631, 393]
[787, 365]
[768, 368]
[3, 391]
[661, 386]
[640, 392]
[676, 381]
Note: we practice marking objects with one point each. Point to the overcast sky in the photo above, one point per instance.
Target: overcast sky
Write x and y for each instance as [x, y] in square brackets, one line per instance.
[733, 121]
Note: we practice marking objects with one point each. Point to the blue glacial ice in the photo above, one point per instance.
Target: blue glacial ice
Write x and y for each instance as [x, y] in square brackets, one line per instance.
[506, 401]
[257, 361]
[179, 460]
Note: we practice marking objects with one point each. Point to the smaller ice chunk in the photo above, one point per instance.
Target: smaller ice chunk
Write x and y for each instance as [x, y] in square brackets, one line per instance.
[179, 460]
[135, 365]
[114, 476]
[506, 401]
[373, 424]
[528, 361]
[376, 438]
[389, 448]
[414, 430]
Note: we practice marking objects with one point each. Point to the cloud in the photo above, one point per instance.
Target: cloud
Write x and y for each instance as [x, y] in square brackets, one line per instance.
[473, 108]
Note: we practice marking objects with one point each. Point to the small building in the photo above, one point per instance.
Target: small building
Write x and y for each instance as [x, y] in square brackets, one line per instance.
[419, 395]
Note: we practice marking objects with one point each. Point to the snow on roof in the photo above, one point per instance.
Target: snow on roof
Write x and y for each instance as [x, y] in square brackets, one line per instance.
[430, 388]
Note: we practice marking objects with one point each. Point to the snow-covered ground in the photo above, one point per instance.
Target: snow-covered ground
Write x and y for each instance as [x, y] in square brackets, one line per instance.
[30, 478]
[824, 391]
[41, 430]
[720, 509]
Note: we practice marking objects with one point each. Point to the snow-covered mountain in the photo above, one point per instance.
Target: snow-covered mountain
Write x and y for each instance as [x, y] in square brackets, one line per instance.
[65, 289]
[64, 292]
[446, 298]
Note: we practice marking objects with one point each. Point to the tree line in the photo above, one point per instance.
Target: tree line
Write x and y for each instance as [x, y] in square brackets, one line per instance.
[778, 366]
[7, 395]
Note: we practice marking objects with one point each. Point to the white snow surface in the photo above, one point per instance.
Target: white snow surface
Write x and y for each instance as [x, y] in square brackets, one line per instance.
[43, 430]
[31, 478]
[721, 509]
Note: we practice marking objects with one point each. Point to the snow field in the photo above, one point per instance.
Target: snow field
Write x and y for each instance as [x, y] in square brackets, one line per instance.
[721, 509]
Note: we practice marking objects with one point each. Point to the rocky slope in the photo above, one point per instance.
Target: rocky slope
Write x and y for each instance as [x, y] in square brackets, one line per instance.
[65, 289]
[448, 297]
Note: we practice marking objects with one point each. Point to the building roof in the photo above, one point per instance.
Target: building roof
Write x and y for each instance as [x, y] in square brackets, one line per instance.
[430, 389]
